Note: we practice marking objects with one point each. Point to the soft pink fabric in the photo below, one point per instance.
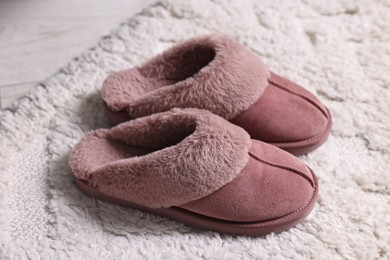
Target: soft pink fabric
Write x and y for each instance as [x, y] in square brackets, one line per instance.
[273, 184]
[212, 72]
[218, 74]
[162, 160]
[197, 161]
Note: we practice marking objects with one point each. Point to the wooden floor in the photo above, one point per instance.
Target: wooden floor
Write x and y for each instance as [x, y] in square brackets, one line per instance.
[37, 37]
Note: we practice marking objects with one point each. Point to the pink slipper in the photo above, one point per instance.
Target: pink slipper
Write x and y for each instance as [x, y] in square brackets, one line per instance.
[220, 75]
[195, 167]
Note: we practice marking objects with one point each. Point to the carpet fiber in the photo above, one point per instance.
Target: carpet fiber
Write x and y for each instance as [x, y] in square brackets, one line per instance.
[337, 49]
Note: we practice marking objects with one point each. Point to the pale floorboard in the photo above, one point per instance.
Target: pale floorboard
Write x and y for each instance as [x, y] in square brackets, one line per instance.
[38, 37]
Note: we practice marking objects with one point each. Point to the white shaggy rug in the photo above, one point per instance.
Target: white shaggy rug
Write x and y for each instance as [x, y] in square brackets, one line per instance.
[338, 49]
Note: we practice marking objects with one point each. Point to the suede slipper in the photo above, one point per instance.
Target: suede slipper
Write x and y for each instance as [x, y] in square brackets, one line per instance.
[195, 167]
[220, 75]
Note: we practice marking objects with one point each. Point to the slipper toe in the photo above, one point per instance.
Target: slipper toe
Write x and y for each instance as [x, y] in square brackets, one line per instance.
[272, 185]
[287, 116]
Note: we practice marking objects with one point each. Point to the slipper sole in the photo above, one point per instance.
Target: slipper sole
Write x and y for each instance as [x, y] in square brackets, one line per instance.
[208, 223]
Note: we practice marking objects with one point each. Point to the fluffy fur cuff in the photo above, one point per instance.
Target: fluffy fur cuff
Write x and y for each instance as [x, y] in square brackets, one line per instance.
[192, 153]
[213, 72]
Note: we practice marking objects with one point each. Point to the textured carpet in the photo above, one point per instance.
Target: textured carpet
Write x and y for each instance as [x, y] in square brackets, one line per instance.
[337, 49]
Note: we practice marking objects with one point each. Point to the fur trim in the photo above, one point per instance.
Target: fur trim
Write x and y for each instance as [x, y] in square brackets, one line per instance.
[187, 154]
[211, 72]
